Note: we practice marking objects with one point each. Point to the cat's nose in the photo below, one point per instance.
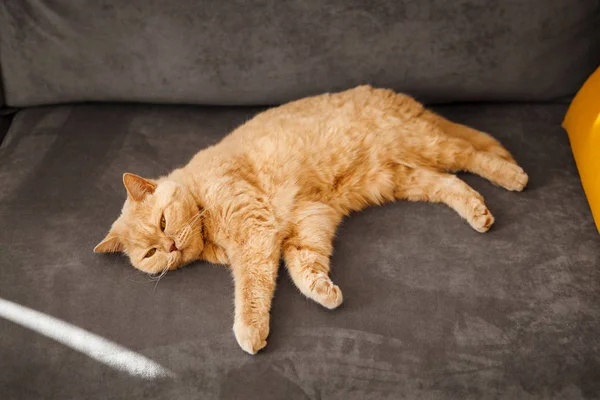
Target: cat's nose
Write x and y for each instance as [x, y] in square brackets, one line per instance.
[173, 246]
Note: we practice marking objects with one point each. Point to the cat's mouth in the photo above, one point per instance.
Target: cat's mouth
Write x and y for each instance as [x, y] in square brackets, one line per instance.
[175, 259]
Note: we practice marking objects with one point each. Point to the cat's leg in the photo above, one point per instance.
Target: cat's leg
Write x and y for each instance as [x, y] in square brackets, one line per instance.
[449, 153]
[480, 140]
[497, 170]
[307, 250]
[461, 149]
[252, 243]
[254, 274]
[436, 143]
[426, 185]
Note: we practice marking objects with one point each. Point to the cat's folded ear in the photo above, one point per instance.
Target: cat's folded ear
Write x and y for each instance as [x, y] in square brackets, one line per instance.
[138, 187]
[110, 244]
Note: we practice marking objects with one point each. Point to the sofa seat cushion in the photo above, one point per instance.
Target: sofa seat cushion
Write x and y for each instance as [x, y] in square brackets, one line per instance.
[432, 308]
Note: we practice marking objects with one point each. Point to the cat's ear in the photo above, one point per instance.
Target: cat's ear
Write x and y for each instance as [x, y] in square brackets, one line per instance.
[110, 244]
[138, 187]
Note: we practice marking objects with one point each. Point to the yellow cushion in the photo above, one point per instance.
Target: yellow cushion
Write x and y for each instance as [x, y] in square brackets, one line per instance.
[582, 123]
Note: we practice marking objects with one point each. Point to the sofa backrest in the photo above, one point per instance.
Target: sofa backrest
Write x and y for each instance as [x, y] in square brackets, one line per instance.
[1, 88]
[232, 52]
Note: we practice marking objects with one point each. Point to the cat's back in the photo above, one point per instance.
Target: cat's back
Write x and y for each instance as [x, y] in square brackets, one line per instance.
[314, 116]
[312, 142]
[319, 127]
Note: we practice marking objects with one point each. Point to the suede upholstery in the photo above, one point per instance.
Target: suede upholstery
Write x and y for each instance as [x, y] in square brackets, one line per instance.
[433, 309]
[271, 51]
[1, 84]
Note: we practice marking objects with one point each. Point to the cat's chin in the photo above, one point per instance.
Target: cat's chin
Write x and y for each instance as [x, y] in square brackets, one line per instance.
[186, 256]
[175, 265]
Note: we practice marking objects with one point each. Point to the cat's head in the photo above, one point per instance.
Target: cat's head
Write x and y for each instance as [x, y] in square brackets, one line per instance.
[160, 226]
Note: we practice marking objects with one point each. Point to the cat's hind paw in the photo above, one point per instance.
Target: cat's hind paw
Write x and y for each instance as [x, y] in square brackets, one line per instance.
[515, 179]
[507, 174]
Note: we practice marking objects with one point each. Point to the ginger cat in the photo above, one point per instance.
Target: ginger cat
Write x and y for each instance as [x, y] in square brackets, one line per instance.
[280, 184]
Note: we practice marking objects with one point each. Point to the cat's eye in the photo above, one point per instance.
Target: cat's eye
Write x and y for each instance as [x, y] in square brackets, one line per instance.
[163, 223]
[150, 253]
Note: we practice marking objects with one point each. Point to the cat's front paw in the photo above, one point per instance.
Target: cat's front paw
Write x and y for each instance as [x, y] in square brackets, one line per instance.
[325, 292]
[480, 218]
[251, 338]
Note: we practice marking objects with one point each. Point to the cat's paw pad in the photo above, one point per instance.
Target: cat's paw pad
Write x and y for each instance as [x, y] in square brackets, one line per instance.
[481, 218]
[251, 338]
[514, 178]
[325, 292]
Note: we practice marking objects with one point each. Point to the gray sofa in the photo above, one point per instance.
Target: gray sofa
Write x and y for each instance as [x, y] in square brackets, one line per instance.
[433, 310]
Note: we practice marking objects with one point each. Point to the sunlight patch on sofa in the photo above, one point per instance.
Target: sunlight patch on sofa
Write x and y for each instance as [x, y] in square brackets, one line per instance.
[88, 343]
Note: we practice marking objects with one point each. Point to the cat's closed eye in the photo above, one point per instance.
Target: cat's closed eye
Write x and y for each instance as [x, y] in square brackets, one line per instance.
[150, 253]
[163, 223]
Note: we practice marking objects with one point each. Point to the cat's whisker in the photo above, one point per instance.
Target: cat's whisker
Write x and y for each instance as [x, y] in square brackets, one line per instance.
[188, 230]
[190, 234]
[196, 217]
[158, 276]
[170, 263]
[194, 233]
[195, 220]
[192, 220]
